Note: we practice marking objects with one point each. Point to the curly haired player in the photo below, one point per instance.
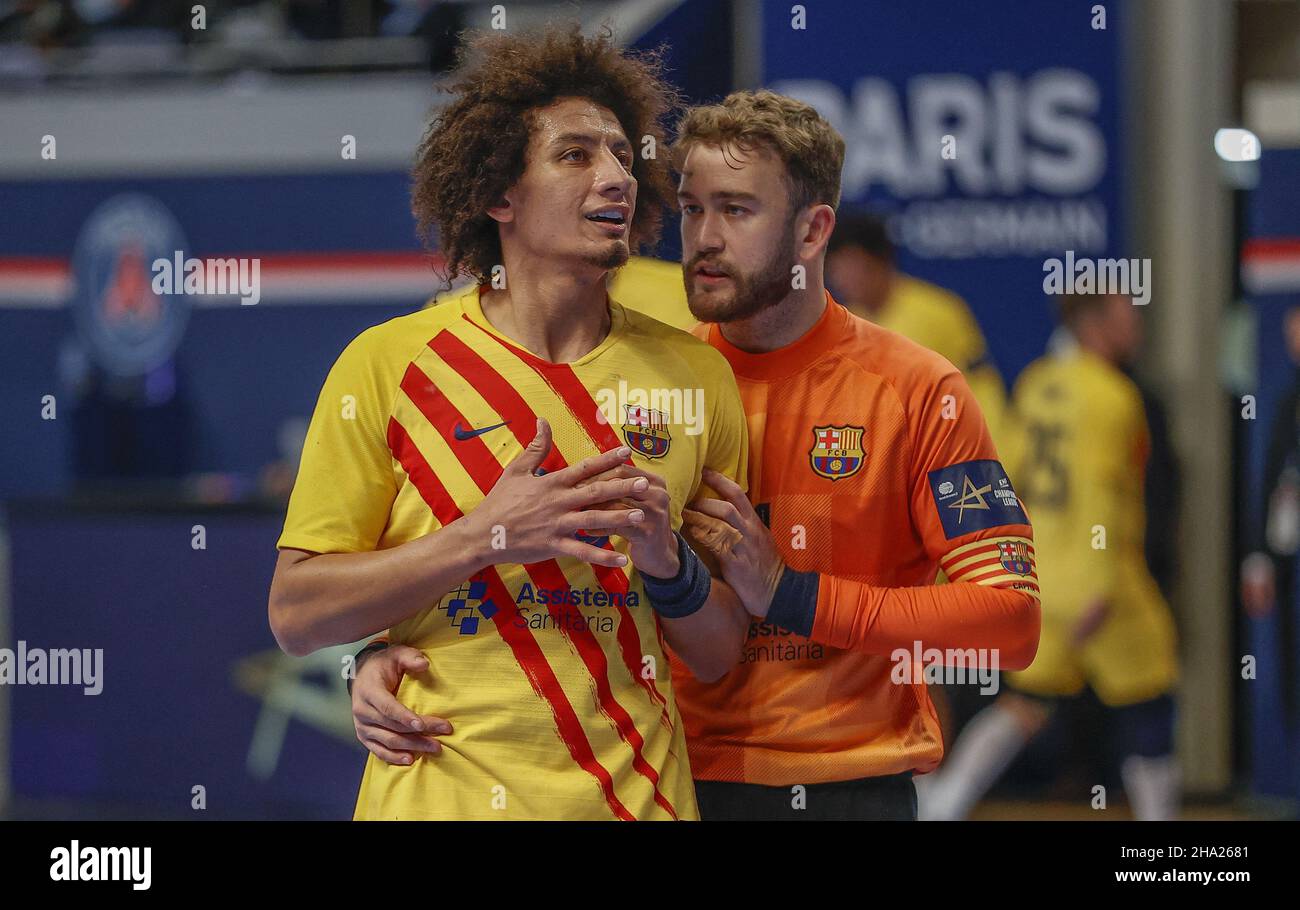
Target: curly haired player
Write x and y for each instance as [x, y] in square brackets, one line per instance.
[459, 486]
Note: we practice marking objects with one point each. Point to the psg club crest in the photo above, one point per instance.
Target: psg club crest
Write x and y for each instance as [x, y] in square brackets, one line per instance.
[837, 451]
[128, 327]
[646, 431]
[1014, 556]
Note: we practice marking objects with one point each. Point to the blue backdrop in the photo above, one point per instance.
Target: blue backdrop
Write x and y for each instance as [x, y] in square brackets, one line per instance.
[1029, 93]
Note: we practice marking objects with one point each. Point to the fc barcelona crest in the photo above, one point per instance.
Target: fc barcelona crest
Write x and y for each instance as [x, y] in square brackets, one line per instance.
[837, 451]
[1014, 556]
[646, 431]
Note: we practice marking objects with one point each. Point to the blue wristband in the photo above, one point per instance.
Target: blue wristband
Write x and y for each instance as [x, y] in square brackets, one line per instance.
[685, 592]
[794, 605]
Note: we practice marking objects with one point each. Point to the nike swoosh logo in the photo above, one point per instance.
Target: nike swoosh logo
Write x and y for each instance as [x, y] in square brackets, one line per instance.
[461, 433]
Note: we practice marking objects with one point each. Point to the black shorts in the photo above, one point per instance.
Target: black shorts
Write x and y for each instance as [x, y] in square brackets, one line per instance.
[1145, 728]
[890, 798]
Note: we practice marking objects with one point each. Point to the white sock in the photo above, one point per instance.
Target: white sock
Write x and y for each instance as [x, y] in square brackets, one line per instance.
[985, 748]
[1153, 786]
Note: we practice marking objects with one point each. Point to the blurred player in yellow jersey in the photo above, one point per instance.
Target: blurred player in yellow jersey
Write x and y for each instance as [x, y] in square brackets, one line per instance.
[653, 287]
[860, 270]
[1078, 460]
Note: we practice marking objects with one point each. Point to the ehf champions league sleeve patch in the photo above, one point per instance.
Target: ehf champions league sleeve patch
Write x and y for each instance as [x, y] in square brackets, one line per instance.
[974, 496]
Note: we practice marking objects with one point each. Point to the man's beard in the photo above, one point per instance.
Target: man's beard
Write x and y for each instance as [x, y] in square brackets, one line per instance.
[751, 293]
[612, 257]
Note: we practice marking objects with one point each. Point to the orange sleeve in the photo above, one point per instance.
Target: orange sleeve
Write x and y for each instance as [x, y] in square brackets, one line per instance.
[862, 617]
[972, 524]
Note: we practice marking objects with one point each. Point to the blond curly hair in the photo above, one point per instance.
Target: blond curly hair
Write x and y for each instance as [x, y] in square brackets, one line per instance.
[810, 148]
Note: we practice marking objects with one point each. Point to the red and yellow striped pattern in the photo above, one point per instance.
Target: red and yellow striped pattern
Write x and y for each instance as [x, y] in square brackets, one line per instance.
[555, 679]
[984, 562]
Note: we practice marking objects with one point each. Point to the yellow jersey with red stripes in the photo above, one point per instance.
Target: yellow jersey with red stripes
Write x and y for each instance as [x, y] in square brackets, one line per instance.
[553, 674]
[871, 464]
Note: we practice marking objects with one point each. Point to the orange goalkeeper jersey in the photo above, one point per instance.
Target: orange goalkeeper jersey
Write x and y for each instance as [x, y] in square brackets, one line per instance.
[871, 463]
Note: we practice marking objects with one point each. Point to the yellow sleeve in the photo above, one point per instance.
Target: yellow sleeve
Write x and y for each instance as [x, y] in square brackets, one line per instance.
[345, 487]
[728, 431]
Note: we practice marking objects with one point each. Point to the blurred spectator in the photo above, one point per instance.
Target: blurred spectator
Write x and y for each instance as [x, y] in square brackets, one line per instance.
[136, 427]
[50, 24]
[1163, 484]
[43, 24]
[163, 15]
[440, 26]
[1268, 573]
[332, 19]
